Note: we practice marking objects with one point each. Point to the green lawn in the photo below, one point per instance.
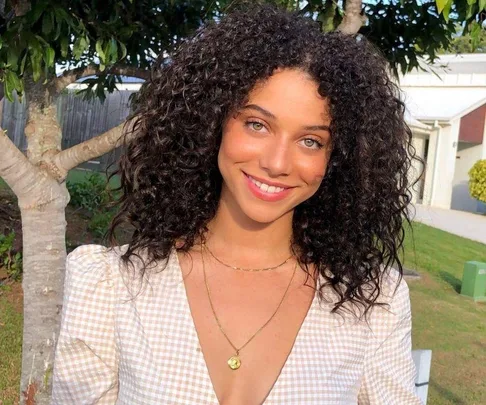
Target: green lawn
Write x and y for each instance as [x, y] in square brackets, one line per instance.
[453, 326]
[10, 347]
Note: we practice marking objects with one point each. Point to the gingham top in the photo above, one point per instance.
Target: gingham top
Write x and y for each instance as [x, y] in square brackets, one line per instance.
[113, 349]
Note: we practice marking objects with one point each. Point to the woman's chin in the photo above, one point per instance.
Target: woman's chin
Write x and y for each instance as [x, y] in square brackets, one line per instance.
[264, 216]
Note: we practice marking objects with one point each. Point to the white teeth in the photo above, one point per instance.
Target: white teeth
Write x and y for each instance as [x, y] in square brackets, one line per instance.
[265, 187]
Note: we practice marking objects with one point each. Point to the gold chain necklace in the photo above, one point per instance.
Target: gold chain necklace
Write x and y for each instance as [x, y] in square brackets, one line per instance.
[234, 362]
[243, 268]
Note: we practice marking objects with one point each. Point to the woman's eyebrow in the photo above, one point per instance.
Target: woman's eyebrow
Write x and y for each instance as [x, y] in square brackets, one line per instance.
[270, 115]
[318, 128]
[260, 109]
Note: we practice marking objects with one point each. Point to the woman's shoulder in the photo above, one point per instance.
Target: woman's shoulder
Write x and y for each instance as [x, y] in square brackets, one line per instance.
[395, 295]
[96, 253]
[92, 264]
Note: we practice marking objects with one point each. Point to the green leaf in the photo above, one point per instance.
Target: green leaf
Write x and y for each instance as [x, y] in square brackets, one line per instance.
[80, 46]
[47, 24]
[35, 12]
[35, 60]
[482, 5]
[7, 91]
[441, 4]
[124, 49]
[64, 47]
[99, 50]
[49, 55]
[22, 64]
[113, 50]
[13, 80]
[12, 58]
[446, 11]
[471, 2]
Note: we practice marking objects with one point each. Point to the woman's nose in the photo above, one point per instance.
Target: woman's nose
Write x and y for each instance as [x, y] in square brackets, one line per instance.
[276, 158]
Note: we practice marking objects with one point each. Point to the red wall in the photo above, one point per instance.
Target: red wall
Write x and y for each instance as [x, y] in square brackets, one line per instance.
[472, 126]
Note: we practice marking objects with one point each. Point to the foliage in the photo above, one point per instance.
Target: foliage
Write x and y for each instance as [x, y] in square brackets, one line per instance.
[467, 43]
[111, 33]
[79, 33]
[99, 223]
[12, 261]
[477, 180]
[92, 194]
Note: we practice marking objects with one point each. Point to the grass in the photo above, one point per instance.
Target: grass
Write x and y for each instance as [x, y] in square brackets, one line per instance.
[3, 185]
[453, 326]
[10, 348]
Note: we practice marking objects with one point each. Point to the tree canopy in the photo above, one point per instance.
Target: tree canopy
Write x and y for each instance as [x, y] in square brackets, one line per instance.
[38, 37]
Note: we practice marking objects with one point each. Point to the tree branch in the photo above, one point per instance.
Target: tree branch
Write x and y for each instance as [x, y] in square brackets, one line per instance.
[16, 169]
[353, 19]
[70, 76]
[60, 164]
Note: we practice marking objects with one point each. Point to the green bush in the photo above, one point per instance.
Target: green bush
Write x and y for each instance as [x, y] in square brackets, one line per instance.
[12, 261]
[98, 225]
[477, 180]
[91, 194]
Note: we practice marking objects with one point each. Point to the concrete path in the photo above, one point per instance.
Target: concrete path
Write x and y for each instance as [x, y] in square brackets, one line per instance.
[465, 224]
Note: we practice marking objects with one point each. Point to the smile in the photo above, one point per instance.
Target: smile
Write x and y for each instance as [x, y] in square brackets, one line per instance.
[265, 187]
[267, 192]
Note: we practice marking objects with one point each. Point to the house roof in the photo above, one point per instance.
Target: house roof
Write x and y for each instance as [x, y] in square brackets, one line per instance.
[442, 103]
[454, 64]
[416, 124]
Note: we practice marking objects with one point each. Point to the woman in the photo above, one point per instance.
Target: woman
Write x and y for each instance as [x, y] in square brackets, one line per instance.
[266, 184]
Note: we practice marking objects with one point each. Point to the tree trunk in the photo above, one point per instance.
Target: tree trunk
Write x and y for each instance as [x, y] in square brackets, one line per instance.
[42, 207]
[44, 256]
[38, 182]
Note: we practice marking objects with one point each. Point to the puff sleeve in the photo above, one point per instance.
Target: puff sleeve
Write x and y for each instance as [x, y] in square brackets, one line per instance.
[86, 359]
[389, 370]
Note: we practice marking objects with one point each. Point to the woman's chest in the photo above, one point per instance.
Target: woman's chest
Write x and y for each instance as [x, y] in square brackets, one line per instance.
[163, 359]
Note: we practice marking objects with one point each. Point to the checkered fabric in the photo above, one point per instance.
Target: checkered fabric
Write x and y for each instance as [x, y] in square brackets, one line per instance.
[114, 349]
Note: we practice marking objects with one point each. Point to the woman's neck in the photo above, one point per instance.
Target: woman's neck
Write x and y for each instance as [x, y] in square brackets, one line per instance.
[247, 242]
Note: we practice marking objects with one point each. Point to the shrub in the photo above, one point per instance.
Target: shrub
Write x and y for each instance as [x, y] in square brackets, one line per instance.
[477, 180]
[12, 261]
[91, 194]
[98, 225]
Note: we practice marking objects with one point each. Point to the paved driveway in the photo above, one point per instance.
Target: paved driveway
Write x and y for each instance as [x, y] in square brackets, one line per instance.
[465, 224]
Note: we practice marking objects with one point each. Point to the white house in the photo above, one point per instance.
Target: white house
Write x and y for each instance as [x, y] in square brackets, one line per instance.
[449, 98]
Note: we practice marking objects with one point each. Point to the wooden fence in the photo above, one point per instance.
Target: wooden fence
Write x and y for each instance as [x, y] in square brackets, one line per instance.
[80, 120]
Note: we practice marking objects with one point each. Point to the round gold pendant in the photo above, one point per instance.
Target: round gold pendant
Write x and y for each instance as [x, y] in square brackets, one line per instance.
[234, 362]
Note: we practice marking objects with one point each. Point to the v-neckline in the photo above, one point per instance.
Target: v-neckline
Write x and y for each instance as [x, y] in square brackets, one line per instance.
[195, 337]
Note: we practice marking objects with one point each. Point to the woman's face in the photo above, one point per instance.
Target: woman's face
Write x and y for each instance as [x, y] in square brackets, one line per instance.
[275, 149]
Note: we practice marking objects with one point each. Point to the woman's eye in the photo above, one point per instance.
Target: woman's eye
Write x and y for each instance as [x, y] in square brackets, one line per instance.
[255, 125]
[312, 143]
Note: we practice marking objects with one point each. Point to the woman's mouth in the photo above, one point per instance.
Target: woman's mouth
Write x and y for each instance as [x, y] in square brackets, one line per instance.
[265, 191]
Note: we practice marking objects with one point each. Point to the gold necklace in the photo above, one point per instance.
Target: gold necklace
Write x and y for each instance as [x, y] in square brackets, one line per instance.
[234, 362]
[243, 268]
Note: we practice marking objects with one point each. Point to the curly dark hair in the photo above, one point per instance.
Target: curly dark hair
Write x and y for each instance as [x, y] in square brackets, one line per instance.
[352, 229]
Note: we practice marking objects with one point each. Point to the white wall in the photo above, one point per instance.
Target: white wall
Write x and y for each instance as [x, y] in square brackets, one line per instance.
[430, 168]
[445, 161]
[418, 142]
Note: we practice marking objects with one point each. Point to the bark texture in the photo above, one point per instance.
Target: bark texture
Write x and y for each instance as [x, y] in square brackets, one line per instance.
[38, 180]
[353, 19]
